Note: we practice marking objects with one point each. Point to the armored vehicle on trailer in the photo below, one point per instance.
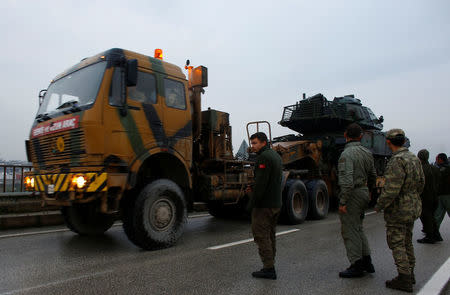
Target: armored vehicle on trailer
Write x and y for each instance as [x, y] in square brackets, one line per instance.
[321, 123]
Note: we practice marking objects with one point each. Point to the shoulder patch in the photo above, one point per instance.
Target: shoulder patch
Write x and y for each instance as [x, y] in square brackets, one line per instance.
[262, 166]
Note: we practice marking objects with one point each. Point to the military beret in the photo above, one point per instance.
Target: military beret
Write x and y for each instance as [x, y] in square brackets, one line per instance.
[393, 133]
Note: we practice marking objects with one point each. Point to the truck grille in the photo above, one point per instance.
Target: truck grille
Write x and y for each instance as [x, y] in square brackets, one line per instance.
[57, 148]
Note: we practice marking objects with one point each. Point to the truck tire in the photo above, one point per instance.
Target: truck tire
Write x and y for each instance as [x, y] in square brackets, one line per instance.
[84, 219]
[160, 214]
[295, 202]
[319, 201]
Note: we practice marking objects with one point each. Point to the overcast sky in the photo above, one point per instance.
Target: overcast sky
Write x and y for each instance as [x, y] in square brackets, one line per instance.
[261, 56]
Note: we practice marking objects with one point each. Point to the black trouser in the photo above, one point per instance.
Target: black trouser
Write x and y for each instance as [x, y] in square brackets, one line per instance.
[428, 221]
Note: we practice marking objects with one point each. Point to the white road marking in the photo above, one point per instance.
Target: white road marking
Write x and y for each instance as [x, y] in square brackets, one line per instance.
[248, 240]
[370, 213]
[66, 229]
[199, 215]
[56, 283]
[34, 233]
[43, 232]
[438, 281]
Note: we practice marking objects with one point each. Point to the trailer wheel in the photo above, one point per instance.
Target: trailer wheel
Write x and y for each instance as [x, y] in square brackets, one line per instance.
[160, 214]
[319, 202]
[295, 202]
[84, 219]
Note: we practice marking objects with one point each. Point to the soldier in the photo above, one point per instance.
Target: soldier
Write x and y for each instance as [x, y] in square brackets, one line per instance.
[265, 203]
[429, 200]
[400, 200]
[443, 192]
[356, 176]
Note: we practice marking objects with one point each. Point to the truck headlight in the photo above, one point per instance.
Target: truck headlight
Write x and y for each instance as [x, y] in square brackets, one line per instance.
[29, 182]
[79, 181]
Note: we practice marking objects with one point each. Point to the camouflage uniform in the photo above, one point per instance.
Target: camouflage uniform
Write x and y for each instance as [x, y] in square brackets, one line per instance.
[400, 200]
[266, 203]
[356, 172]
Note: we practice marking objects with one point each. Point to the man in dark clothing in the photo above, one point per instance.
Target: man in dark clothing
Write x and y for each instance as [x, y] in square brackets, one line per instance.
[265, 203]
[443, 191]
[429, 200]
[356, 176]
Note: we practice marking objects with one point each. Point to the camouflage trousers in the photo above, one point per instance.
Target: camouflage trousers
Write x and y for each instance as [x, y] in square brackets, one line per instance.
[264, 222]
[352, 231]
[399, 239]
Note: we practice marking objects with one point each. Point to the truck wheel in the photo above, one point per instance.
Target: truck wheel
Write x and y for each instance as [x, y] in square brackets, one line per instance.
[295, 202]
[318, 199]
[160, 213]
[84, 219]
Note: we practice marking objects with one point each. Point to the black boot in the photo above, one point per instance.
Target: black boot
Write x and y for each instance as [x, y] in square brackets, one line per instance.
[265, 273]
[356, 270]
[426, 240]
[367, 264]
[438, 237]
[401, 282]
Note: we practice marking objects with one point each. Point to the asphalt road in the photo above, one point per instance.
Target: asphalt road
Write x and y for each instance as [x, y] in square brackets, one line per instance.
[308, 261]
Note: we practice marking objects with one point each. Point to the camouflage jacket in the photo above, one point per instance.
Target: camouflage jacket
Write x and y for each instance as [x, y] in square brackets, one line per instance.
[356, 169]
[400, 197]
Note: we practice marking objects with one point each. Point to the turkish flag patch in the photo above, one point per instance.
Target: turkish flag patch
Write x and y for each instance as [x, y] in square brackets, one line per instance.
[262, 166]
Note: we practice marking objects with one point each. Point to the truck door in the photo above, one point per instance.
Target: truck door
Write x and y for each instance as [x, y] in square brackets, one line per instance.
[177, 116]
[136, 129]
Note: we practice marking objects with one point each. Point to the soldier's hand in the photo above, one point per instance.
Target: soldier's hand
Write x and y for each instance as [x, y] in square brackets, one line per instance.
[343, 209]
[248, 189]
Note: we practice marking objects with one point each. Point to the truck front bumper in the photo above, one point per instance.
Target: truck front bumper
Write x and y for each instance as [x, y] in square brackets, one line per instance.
[63, 189]
[90, 182]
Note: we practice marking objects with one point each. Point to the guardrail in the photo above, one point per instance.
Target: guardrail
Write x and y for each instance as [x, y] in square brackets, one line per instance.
[12, 176]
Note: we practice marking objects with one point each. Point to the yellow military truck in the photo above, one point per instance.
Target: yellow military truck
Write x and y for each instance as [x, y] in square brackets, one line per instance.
[122, 132]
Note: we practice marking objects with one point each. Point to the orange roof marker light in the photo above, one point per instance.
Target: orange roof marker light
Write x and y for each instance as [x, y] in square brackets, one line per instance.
[159, 53]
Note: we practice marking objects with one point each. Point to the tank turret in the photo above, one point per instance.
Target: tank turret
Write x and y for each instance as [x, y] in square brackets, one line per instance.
[316, 114]
[316, 118]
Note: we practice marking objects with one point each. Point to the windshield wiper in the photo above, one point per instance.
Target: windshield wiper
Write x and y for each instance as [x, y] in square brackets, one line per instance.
[42, 117]
[73, 109]
[68, 104]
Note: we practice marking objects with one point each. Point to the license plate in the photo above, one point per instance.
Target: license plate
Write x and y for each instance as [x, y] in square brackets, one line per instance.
[51, 189]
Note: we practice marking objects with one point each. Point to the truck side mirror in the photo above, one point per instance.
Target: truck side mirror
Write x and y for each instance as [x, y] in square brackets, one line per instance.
[131, 72]
[41, 95]
[198, 77]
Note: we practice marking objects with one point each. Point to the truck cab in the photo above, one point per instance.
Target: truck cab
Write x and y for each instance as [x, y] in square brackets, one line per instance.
[106, 128]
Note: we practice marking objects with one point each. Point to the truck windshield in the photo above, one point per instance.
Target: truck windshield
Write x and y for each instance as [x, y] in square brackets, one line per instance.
[75, 90]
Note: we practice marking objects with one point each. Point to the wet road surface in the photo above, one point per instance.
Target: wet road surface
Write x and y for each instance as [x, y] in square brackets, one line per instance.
[308, 261]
